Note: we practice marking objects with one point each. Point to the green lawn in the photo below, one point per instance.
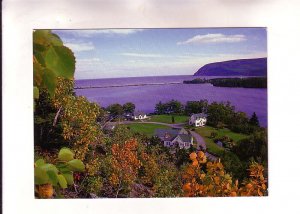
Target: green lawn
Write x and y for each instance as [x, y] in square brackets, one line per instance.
[163, 118]
[211, 146]
[147, 129]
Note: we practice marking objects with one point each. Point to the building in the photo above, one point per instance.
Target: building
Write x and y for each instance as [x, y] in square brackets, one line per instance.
[175, 137]
[198, 120]
[139, 116]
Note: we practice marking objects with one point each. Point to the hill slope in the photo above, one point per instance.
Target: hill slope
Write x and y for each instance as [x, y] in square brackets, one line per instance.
[240, 67]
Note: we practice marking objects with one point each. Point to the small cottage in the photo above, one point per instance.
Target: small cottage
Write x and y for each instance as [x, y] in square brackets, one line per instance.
[198, 120]
[139, 116]
[175, 137]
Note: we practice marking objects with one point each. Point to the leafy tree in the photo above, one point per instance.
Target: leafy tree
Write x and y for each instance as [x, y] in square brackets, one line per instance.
[193, 107]
[175, 107]
[61, 118]
[219, 113]
[255, 146]
[125, 165]
[214, 181]
[129, 108]
[234, 166]
[115, 110]
[173, 119]
[160, 108]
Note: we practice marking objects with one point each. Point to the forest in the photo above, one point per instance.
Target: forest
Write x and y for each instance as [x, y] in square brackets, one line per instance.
[246, 82]
[75, 158]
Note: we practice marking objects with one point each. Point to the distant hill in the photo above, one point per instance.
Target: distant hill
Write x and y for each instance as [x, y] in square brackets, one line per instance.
[240, 67]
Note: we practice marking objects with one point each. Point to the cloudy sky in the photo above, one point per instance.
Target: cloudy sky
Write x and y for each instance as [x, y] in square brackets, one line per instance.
[110, 53]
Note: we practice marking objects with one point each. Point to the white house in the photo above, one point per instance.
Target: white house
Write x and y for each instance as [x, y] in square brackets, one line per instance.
[174, 137]
[139, 116]
[198, 120]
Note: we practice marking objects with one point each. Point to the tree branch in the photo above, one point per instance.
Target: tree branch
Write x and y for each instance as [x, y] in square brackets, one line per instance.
[56, 116]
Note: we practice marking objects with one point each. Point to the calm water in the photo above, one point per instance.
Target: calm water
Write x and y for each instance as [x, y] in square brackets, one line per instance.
[145, 97]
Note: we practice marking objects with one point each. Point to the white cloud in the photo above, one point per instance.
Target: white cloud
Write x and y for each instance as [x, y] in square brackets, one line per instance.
[142, 55]
[77, 47]
[214, 38]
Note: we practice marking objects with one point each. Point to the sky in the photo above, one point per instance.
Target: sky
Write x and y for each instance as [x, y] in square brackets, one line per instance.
[112, 53]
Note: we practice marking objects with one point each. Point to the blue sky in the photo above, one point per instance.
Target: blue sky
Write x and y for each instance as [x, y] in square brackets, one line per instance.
[110, 53]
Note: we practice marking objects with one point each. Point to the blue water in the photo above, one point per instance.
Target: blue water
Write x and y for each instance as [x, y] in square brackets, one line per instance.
[145, 97]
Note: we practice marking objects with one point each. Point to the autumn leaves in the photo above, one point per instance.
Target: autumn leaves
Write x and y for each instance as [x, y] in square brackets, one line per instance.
[204, 178]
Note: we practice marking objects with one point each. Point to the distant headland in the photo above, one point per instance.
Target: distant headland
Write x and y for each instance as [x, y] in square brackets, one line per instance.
[240, 67]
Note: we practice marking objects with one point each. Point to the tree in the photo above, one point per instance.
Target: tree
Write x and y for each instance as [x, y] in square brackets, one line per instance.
[160, 108]
[125, 165]
[220, 113]
[129, 108]
[255, 146]
[115, 110]
[215, 182]
[62, 118]
[175, 107]
[193, 107]
[173, 119]
[254, 120]
[233, 165]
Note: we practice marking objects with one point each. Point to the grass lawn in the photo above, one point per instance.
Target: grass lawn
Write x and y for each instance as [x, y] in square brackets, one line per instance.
[163, 118]
[147, 129]
[211, 146]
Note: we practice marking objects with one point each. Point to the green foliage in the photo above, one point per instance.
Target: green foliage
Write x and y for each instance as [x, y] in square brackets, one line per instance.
[251, 82]
[93, 184]
[62, 181]
[76, 165]
[65, 154]
[115, 110]
[171, 107]
[128, 108]
[255, 147]
[254, 120]
[233, 165]
[193, 107]
[69, 177]
[167, 183]
[219, 112]
[61, 173]
[51, 59]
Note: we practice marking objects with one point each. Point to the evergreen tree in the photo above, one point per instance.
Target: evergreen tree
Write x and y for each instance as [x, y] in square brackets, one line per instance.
[254, 120]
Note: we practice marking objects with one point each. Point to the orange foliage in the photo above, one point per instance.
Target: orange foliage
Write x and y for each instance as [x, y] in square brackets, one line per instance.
[216, 182]
[125, 164]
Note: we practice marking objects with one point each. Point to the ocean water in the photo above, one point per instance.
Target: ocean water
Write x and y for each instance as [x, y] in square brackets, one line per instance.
[146, 96]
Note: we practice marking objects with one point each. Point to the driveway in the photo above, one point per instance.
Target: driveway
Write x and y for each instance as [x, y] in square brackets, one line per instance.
[201, 144]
